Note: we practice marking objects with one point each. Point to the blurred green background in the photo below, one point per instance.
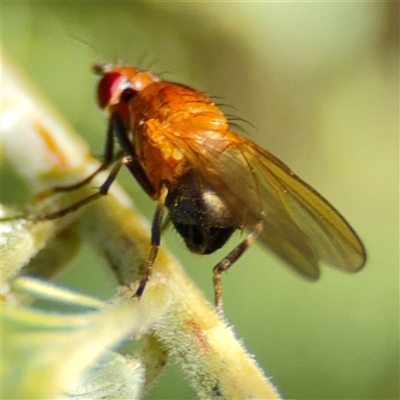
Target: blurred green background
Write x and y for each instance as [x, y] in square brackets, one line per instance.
[320, 82]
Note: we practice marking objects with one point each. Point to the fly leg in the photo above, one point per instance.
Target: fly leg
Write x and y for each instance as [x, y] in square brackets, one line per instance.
[128, 148]
[108, 156]
[102, 191]
[155, 239]
[227, 262]
[115, 129]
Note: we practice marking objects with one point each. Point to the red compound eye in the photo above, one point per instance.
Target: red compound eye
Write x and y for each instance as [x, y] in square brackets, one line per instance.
[107, 86]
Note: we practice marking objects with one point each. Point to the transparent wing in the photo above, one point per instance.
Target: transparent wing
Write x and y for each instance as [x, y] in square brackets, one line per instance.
[300, 226]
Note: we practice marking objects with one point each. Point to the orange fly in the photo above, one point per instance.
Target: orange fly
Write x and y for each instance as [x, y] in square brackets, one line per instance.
[178, 145]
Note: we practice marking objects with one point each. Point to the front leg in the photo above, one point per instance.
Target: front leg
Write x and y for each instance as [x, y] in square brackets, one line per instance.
[108, 156]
